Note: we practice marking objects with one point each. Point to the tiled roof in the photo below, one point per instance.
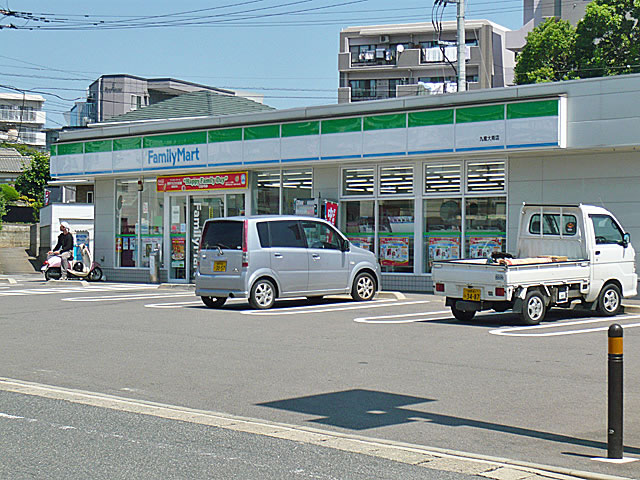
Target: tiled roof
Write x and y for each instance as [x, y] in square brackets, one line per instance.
[11, 161]
[194, 104]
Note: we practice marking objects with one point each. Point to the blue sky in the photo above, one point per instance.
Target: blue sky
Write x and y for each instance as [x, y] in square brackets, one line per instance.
[242, 44]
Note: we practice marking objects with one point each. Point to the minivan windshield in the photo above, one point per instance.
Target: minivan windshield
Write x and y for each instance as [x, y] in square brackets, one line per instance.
[226, 234]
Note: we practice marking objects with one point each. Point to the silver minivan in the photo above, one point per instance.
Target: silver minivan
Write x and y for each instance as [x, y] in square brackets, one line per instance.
[267, 257]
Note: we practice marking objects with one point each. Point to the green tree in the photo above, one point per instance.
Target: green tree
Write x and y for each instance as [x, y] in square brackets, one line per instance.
[8, 193]
[608, 38]
[548, 55]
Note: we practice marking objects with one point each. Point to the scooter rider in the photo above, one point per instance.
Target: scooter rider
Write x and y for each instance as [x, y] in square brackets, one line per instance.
[64, 248]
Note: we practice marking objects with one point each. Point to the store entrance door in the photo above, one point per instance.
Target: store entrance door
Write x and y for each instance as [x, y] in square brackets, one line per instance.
[186, 220]
[201, 209]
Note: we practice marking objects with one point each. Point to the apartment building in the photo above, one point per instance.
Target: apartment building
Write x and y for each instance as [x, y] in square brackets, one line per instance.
[114, 95]
[388, 61]
[22, 119]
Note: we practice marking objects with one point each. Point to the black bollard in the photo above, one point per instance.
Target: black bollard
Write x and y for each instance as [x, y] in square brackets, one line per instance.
[614, 441]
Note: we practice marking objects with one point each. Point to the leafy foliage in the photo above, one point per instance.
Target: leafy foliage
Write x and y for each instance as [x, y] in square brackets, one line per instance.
[9, 193]
[34, 178]
[548, 53]
[605, 42]
[608, 39]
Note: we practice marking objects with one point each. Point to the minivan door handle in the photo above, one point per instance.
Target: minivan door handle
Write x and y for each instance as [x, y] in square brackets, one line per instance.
[315, 256]
[597, 252]
[277, 255]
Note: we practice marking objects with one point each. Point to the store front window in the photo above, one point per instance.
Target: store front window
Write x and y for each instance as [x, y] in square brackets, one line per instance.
[296, 184]
[126, 223]
[266, 192]
[358, 181]
[178, 238]
[442, 230]
[151, 220]
[395, 235]
[359, 223]
[485, 226]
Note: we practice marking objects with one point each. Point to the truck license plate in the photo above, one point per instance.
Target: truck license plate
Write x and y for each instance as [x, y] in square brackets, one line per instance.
[471, 294]
[220, 266]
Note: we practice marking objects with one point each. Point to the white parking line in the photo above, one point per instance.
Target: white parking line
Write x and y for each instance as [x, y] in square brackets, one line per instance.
[381, 318]
[337, 307]
[71, 289]
[139, 296]
[510, 332]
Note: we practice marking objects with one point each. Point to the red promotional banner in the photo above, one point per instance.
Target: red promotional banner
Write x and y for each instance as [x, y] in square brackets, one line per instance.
[331, 212]
[200, 182]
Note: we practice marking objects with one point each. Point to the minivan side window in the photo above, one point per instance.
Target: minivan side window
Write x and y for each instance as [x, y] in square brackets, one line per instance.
[226, 234]
[286, 234]
[320, 235]
[263, 234]
[606, 230]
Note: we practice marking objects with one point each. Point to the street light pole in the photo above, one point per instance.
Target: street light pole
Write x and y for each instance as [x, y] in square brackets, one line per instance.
[462, 42]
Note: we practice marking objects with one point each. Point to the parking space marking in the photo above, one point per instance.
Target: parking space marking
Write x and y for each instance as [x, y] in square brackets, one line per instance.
[385, 318]
[139, 296]
[337, 307]
[512, 332]
[74, 289]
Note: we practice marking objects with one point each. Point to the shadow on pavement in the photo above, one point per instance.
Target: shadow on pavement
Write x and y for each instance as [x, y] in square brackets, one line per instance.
[365, 409]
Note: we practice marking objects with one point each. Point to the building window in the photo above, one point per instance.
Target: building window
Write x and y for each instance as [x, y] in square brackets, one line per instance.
[90, 196]
[396, 180]
[126, 241]
[151, 220]
[266, 192]
[395, 235]
[359, 223]
[362, 89]
[463, 221]
[296, 184]
[358, 181]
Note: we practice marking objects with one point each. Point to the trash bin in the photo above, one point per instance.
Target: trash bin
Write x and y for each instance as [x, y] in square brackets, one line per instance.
[154, 266]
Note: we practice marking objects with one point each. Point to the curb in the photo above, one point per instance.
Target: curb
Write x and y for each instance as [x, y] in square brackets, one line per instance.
[391, 295]
[631, 308]
[9, 280]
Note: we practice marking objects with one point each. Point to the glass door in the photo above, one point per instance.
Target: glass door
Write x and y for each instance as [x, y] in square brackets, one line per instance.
[178, 238]
[201, 209]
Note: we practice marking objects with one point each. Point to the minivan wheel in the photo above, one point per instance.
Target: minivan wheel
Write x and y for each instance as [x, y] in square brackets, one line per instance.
[214, 302]
[609, 303]
[263, 295]
[364, 287]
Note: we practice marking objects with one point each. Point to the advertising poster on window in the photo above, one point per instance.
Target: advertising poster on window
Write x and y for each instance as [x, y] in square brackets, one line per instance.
[208, 181]
[444, 248]
[394, 251]
[177, 251]
[482, 247]
[331, 212]
[118, 244]
[362, 242]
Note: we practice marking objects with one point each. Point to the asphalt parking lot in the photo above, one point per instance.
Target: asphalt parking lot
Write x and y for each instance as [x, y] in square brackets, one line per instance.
[399, 368]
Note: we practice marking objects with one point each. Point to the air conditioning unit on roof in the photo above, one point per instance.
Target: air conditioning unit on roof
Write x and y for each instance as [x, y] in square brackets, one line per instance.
[384, 38]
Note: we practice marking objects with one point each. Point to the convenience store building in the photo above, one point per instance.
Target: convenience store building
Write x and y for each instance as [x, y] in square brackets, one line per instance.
[415, 179]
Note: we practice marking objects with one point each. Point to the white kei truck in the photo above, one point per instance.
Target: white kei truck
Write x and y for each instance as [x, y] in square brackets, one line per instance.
[568, 256]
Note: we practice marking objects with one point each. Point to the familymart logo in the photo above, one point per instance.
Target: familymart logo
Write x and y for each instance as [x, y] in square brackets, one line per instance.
[173, 156]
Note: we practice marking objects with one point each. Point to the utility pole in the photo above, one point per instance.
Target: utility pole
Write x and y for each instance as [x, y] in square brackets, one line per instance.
[462, 49]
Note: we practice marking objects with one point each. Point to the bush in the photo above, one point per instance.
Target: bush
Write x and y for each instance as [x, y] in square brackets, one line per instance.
[9, 193]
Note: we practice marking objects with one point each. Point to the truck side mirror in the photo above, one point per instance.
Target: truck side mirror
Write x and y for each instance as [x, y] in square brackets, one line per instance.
[626, 240]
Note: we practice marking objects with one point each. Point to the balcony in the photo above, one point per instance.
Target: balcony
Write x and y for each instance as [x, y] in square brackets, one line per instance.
[26, 116]
[436, 55]
[379, 56]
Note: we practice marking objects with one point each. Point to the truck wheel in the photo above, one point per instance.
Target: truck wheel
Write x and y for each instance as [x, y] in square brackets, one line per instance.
[462, 315]
[214, 302]
[609, 303]
[534, 308]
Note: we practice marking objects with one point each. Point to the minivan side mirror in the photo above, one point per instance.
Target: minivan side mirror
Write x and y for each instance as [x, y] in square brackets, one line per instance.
[626, 240]
[345, 245]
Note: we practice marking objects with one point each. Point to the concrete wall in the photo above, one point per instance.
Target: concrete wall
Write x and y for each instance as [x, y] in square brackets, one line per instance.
[607, 179]
[105, 222]
[15, 235]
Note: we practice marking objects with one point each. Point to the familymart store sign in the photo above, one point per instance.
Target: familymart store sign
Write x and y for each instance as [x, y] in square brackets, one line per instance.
[502, 126]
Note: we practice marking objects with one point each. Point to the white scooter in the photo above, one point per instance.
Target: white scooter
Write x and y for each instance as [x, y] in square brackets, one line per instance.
[84, 269]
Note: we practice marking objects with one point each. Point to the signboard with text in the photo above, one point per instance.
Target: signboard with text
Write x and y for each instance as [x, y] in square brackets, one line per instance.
[202, 182]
